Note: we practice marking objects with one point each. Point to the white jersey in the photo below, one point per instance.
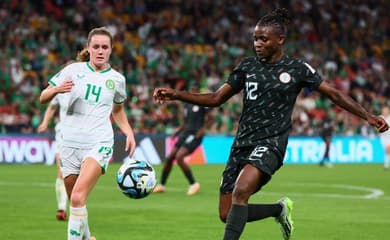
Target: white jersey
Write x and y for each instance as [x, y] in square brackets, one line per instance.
[60, 102]
[89, 104]
[385, 137]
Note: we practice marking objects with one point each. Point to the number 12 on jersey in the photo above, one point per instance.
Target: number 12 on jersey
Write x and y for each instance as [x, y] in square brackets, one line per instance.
[251, 88]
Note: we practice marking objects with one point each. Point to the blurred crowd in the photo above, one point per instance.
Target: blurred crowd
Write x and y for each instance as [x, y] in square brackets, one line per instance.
[178, 43]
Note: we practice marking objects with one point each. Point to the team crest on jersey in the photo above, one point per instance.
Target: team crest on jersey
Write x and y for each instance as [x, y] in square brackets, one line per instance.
[285, 77]
[110, 84]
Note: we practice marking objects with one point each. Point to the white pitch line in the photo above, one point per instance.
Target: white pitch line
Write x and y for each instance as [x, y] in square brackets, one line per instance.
[320, 195]
[371, 193]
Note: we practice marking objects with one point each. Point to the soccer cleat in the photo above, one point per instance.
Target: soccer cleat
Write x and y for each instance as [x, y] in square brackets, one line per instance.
[90, 238]
[159, 189]
[328, 165]
[61, 215]
[193, 189]
[285, 219]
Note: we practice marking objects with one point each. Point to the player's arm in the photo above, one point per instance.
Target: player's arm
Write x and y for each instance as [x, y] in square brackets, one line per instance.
[49, 114]
[352, 106]
[119, 115]
[51, 91]
[212, 99]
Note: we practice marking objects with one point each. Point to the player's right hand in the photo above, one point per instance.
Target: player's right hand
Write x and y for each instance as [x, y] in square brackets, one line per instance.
[162, 95]
[65, 86]
[379, 123]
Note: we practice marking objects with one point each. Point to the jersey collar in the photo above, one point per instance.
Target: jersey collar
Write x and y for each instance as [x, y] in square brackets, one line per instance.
[280, 62]
[93, 70]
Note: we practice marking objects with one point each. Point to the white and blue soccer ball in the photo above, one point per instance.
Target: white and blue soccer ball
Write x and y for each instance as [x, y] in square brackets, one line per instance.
[136, 178]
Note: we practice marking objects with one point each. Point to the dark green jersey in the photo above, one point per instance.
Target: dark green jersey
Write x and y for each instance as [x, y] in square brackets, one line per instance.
[194, 117]
[270, 91]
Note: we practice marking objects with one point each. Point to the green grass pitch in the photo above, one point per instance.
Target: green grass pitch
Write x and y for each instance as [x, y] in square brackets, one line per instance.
[346, 202]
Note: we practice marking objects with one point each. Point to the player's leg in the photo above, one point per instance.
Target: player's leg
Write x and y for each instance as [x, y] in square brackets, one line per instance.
[386, 164]
[240, 212]
[70, 170]
[268, 162]
[82, 169]
[325, 159]
[190, 145]
[74, 222]
[69, 182]
[225, 203]
[181, 154]
[61, 194]
[166, 170]
[263, 163]
[78, 221]
[247, 183]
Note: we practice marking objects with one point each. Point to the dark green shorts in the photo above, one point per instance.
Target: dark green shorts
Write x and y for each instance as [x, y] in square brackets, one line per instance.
[189, 141]
[261, 156]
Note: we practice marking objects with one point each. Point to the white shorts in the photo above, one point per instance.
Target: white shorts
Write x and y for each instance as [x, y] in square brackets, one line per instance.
[385, 139]
[72, 158]
[58, 139]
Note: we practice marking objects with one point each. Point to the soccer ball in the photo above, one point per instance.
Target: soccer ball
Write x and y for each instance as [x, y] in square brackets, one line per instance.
[136, 178]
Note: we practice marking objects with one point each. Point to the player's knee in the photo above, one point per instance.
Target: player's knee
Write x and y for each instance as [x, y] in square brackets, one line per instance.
[180, 158]
[182, 163]
[77, 199]
[241, 194]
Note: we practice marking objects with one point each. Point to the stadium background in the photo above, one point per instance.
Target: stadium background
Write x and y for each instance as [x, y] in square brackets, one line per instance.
[177, 43]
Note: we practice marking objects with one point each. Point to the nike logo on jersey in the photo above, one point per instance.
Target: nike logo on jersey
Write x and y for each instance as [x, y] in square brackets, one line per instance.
[250, 75]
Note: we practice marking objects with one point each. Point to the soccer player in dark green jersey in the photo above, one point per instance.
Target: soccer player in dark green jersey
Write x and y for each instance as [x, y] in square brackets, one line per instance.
[271, 82]
[197, 120]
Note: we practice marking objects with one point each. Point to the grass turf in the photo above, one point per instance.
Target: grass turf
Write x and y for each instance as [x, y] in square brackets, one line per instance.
[347, 202]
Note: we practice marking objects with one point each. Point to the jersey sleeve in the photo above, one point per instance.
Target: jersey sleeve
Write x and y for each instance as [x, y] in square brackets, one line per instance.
[311, 79]
[237, 78]
[61, 76]
[120, 92]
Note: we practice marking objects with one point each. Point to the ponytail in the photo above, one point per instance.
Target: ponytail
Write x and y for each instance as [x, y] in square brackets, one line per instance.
[83, 56]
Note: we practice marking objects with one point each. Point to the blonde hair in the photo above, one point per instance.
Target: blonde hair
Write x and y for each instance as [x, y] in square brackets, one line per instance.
[83, 55]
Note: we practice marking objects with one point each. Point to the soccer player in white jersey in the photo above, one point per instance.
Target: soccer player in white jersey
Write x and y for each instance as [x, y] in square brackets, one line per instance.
[94, 92]
[385, 137]
[57, 104]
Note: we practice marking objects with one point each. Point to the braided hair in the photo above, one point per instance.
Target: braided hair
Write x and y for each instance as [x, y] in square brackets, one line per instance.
[279, 19]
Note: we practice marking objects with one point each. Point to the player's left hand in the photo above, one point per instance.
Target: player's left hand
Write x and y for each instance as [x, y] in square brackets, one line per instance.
[42, 127]
[130, 144]
[379, 123]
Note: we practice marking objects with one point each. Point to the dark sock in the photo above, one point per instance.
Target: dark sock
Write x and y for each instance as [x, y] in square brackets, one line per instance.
[164, 176]
[235, 222]
[261, 211]
[189, 176]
